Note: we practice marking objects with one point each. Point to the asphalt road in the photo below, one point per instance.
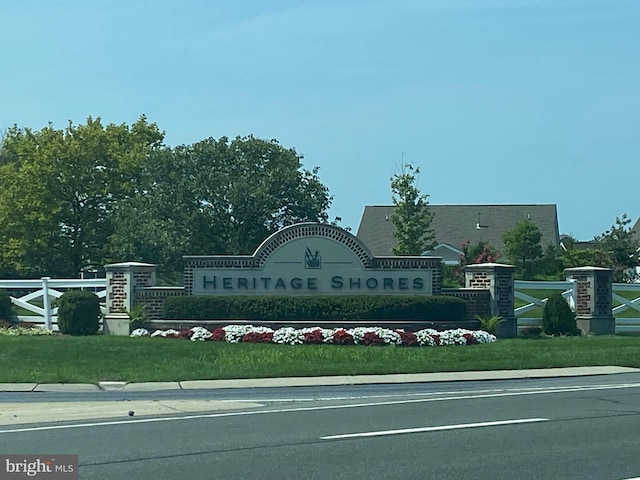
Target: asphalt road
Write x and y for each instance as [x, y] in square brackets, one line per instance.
[571, 428]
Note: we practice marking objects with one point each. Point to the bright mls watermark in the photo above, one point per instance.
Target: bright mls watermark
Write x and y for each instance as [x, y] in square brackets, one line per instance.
[50, 467]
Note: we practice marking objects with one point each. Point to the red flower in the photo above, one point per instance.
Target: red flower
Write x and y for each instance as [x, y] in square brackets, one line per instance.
[255, 337]
[313, 337]
[184, 334]
[409, 339]
[217, 335]
[342, 337]
[471, 340]
[372, 338]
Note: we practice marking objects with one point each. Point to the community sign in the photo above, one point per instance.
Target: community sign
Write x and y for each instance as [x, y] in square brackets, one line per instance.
[312, 258]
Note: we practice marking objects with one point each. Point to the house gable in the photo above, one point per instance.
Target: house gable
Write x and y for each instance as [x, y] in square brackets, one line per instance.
[456, 224]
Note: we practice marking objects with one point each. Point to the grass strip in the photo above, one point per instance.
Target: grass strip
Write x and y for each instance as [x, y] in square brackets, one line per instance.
[65, 359]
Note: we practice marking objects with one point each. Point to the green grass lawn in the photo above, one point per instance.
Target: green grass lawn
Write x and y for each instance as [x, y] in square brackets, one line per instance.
[65, 359]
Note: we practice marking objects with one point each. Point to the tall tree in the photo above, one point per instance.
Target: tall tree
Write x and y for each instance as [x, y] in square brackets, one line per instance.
[621, 248]
[411, 216]
[522, 244]
[216, 197]
[60, 188]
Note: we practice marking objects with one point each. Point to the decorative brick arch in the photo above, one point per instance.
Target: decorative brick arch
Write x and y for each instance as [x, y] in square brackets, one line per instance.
[300, 230]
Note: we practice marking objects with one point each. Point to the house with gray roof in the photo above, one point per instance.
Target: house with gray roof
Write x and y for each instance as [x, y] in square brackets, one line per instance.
[635, 230]
[455, 224]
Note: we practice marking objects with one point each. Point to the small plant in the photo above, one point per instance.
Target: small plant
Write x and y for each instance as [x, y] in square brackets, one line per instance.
[5, 305]
[558, 318]
[490, 325]
[79, 313]
[138, 317]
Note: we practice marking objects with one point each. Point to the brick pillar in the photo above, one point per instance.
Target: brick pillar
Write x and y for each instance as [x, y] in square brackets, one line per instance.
[499, 280]
[122, 281]
[594, 299]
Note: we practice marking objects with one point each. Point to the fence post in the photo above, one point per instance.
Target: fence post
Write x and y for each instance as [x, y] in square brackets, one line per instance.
[574, 294]
[46, 302]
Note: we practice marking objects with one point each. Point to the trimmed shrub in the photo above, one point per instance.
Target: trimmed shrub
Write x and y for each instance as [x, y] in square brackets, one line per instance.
[325, 307]
[79, 313]
[5, 306]
[558, 318]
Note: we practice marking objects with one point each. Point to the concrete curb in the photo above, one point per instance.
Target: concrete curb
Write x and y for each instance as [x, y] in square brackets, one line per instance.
[36, 412]
[317, 381]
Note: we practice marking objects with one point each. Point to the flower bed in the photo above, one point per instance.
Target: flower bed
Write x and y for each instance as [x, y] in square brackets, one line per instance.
[316, 335]
[24, 331]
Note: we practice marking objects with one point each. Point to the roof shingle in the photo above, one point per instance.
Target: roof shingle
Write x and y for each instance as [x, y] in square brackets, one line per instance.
[455, 224]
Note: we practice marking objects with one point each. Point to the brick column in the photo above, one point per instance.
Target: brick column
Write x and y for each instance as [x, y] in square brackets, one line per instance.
[122, 281]
[594, 299]
[499, 280]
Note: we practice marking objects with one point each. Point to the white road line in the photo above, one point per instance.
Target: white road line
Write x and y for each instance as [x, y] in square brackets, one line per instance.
[531, 390]
[433, 429]
[324, 407]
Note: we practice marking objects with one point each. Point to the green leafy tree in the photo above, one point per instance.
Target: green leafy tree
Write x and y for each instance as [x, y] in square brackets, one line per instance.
[411, 216]
[556, 259]
[60, 189]
[620, 247]
[522, 244]
[481, 252]
[584, 257]
[216, 197]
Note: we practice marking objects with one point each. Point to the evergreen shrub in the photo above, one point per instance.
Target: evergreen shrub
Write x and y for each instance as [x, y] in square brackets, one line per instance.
[5, 305]
[325, 307]
[79, 313]
[558, 318]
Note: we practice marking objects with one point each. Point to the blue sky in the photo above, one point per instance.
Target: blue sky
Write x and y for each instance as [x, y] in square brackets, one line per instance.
[496, 101]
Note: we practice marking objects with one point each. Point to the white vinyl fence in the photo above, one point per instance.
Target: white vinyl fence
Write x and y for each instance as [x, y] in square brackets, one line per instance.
[627, 324]
[36, 296]
[623, 324]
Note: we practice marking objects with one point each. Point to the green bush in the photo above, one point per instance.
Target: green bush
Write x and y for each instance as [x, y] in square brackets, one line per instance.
[325, 307]
[558, 319]
[79, 313]
[5, 305]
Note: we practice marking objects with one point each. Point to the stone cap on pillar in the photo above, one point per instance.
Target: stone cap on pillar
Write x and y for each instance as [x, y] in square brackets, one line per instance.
[113, 267]
[488, 266]
[584, 270]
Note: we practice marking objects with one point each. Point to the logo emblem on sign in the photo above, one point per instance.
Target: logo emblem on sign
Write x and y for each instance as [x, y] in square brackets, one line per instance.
[312, 259]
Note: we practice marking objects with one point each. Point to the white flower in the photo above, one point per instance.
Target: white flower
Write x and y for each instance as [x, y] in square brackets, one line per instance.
[288, 335]
[200, 333]
[388, 336]
[140, 332]
[484, 337]
[260, 330]
[425, 337]
[234, 333]
[165, 333]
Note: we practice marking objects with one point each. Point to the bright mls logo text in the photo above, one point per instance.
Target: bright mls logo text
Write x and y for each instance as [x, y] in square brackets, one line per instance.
[62, 467]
